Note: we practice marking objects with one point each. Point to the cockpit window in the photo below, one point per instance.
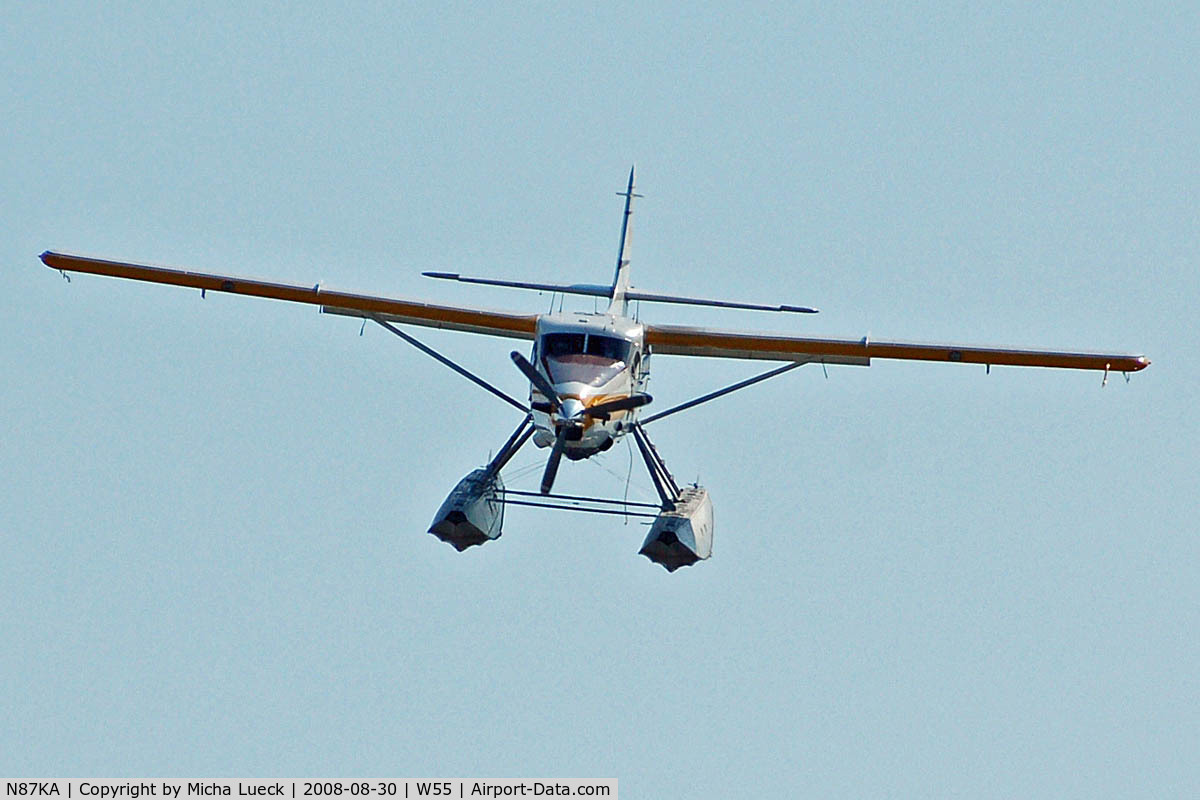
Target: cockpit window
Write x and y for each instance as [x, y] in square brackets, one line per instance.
[608, 347]
[556, 345]
[585, 358]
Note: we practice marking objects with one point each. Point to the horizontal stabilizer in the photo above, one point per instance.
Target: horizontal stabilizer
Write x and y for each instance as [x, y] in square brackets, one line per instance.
[594, 290]
[589, 289]
[699, 301]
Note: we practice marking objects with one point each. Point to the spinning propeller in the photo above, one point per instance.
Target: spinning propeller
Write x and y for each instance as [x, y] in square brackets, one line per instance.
[571, 413]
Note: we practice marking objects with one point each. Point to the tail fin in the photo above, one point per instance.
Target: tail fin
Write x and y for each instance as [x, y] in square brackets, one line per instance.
[619, 304]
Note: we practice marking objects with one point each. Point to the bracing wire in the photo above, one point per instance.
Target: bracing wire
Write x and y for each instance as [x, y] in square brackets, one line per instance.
[628, 474]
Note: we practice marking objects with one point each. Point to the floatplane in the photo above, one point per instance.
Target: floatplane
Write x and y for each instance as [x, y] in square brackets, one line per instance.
[587, 374]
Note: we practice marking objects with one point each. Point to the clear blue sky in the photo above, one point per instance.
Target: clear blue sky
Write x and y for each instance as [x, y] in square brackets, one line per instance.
[927, 581]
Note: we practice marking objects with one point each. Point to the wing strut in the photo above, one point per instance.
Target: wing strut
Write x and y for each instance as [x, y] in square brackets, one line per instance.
[466, 373]
[664, 484]
[725, 391]
[515, 442]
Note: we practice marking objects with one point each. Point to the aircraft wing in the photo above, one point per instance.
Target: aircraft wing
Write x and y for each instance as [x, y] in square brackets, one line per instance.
[688, 341]
[493, 323]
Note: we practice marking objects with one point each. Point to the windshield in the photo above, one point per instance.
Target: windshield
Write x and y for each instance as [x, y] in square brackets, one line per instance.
[589, 359]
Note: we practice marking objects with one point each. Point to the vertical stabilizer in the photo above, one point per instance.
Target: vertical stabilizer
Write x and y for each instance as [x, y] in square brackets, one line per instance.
[619, 304]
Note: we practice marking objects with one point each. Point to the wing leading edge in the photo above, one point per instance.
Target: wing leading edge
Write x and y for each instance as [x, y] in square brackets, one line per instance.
[688, 341]
[666, 339]
[473, 320]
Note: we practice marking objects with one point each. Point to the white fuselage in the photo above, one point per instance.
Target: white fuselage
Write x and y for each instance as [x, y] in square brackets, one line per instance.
[590, 359]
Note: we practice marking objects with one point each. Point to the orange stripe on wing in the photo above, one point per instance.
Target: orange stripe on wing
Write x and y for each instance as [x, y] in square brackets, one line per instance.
[675, 340]
[417, 313]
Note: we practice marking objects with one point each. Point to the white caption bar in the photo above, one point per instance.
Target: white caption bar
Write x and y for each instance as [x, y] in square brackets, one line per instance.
[306, 789]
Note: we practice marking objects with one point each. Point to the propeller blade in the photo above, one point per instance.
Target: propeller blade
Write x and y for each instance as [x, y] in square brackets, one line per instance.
[602, 410]
[548, 476]
[536, 378]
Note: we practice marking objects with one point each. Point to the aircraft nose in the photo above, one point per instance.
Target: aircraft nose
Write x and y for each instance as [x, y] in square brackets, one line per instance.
[571, 407]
